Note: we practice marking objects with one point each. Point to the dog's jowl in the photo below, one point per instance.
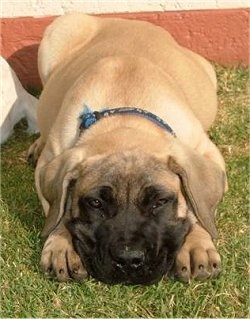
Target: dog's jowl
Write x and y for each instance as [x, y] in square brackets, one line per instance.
[127, 176]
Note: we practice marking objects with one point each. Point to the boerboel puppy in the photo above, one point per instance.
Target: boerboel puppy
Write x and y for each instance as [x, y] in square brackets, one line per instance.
[128, 179]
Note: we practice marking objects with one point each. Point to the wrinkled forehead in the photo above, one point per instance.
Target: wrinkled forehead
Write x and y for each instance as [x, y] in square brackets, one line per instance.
[127, 171]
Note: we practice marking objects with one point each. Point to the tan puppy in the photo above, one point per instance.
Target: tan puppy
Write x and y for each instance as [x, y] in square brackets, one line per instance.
[132, 197]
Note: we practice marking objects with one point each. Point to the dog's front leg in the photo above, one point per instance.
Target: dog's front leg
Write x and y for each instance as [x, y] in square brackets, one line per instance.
[198, 257]
[59, 257]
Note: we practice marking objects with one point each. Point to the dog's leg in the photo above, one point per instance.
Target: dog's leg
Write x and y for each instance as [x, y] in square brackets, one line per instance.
[208, 149]
[198, 257]
[35, 151]
[59, 257]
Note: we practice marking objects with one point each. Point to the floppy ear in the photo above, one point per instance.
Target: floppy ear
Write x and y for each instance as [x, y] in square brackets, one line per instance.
[55, 182]
[203, 183]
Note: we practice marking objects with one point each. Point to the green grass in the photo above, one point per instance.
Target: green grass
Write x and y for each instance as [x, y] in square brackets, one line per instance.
[25, 292]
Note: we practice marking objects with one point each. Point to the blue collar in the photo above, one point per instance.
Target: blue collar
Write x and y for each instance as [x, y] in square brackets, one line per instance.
[88, 117]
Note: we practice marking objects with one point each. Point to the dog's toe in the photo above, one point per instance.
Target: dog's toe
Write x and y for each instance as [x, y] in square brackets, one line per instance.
[182, 266]
[197, 259]
[215, 262]
[200, 264]
[46, 264]
[61, 261]
[75, 267]
[206, 263]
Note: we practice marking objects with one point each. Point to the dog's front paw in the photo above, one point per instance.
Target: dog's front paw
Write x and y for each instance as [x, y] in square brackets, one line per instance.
[198, 258]
[59, 259]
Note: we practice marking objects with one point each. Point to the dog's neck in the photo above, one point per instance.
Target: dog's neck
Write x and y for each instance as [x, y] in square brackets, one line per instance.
[89, 117]
[123, 133]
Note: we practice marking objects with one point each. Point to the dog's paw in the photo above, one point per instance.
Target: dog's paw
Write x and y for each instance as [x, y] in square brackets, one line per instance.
[35, 151]
[60, 260]
[198, 258]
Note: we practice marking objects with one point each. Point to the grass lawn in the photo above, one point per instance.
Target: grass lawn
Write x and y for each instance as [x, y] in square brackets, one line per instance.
[25, 292]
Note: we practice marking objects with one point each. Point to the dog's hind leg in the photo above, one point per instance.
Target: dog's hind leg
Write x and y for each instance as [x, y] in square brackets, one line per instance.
[62, 38]
[208, 149]
[35, 151]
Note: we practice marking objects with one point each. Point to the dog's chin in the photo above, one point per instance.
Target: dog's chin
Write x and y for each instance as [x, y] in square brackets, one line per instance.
[110, 275]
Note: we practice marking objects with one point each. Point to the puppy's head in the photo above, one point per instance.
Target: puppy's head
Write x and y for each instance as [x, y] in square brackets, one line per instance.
[129, 218]
[128, 213]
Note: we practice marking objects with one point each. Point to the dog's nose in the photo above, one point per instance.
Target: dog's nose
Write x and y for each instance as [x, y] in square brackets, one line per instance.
[128, 258]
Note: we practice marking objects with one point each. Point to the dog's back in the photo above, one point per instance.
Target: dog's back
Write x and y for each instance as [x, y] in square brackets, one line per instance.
[75, 42]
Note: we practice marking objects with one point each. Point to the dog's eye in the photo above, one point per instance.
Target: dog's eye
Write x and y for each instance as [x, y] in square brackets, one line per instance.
[95, 203]
[159, 203]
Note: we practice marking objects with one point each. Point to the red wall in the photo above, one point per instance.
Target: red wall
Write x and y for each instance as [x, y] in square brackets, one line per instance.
[219, 35]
